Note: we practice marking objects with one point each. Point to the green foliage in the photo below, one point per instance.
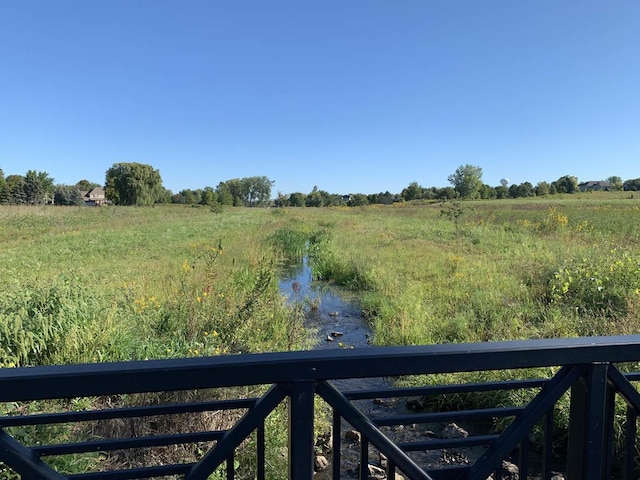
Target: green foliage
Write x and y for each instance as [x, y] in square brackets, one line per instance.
[133, 184]
[247, 191]
[607, 285]
[290, 243]
[454, 211]
[566, 184]
[38, 187]
[38, 323]
[467, 181]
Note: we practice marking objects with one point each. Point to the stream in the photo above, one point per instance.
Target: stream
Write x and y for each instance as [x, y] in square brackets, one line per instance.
[336, 321]
[334, 317]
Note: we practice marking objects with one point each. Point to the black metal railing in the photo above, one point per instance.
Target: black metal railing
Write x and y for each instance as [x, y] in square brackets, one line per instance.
[587, 383]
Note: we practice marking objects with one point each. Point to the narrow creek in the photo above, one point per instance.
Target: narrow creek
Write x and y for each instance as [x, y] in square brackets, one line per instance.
[336, 320]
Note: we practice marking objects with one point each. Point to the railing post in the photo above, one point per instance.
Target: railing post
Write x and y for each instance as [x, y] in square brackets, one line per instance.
[301, 406]
[587, 425]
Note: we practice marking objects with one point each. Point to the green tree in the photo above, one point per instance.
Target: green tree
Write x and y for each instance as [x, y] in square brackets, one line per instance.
[446, 193]
[487, 192]
[257, 190]
[224, 194]
[133, 184]
[86, 185]
[208, 197]
[632, 185]
[15, 190]
[616, 182]
[282, 200]
[412, 192]
[297, 199]
[315, 198]
[566, 184]
[67, 195]
[542, 188]
[358, 200]
[38, 187]
[466, 181]
[3, 188]
[502, 192]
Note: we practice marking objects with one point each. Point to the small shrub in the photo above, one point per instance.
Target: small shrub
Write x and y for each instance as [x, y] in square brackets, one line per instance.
[602, 286]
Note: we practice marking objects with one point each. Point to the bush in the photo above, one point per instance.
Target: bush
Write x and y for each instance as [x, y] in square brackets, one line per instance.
[602, 286]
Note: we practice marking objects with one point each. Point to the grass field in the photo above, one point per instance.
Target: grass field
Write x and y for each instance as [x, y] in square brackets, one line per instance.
[470, 271]
[125, 283]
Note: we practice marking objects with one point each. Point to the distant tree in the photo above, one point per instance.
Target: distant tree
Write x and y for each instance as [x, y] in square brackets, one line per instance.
[466, 181]
[38, 187]
[15, 190]
[430, 193]
[487, 192]
[629, 185]
[3, 188]
[502, 192]
[616, 182]
[86, 185]
[314, 198]
[208, 197]
[525, 189]
[282, 200]
[566, 184]
[542, 188]
[133, 184]
[247, 191]
[385, 198]
[446, 193]
[358, 200]
[297, 199]
[67, 195]
[412, 192]
[258, 190]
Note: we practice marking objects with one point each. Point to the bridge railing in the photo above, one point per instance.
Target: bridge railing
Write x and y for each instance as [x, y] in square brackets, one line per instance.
[590, 371]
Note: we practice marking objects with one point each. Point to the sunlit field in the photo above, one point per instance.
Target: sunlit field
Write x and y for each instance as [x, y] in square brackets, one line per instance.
[124, 283]
[117, 283]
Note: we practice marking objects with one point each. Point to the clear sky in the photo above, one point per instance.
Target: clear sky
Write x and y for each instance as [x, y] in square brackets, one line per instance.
[349, 95]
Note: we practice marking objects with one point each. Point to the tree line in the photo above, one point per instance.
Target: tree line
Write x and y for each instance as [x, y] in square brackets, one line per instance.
[131, 183]
[140, 184]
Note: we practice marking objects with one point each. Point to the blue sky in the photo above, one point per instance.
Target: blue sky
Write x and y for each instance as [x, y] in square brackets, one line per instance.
[349, 95]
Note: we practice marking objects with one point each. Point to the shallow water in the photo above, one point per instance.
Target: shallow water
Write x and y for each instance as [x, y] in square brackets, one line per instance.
[331, 311]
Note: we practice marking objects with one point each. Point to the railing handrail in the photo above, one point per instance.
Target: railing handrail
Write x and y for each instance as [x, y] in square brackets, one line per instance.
[66, 381]
[587, 372]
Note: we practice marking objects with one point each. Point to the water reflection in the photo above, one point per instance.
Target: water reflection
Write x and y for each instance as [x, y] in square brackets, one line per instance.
[333, 314]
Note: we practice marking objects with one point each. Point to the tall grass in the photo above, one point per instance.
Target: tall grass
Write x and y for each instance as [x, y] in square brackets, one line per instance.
[102, 284]
[108, 284]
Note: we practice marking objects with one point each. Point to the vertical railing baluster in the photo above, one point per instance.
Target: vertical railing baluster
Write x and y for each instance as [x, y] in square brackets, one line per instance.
[610, 414]
[523, 458]
[336, 439]
[301, 415]
[630, 432]
[587, 425]
[391, 470]
[364, 458]
[547, 448]
[260, 441]
[231, 470]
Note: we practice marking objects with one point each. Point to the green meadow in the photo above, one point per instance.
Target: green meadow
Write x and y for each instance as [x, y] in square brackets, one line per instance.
[127, 283]
[118, 283]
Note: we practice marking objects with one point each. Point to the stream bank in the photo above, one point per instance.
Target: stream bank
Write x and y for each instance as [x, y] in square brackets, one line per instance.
[336, 321]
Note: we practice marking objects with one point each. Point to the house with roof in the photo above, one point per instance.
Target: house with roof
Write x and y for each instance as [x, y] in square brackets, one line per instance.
[94, 197]
[595, 186]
